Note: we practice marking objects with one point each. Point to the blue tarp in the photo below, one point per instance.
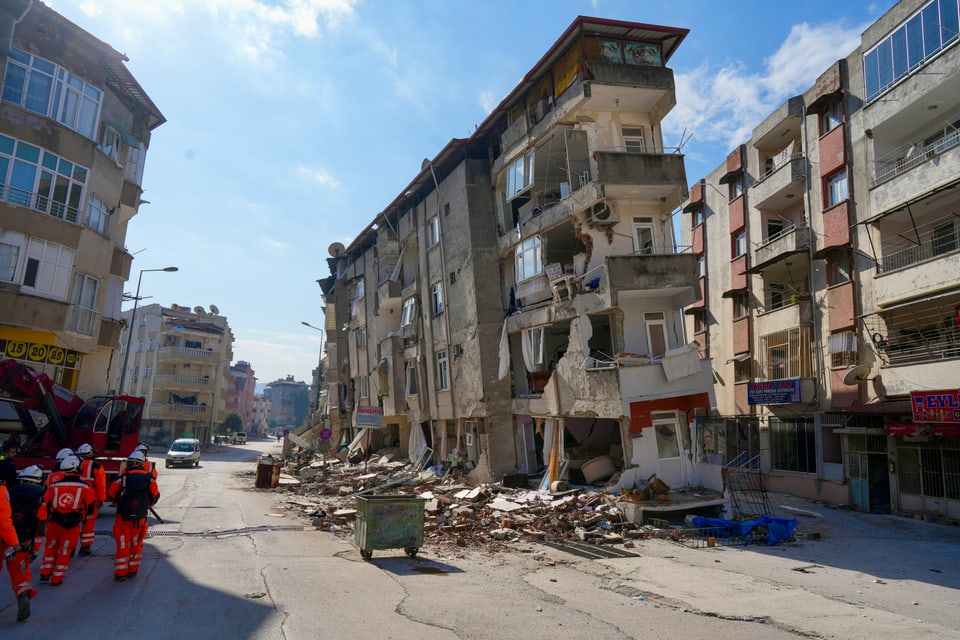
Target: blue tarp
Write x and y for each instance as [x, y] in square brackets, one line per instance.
[778, 529]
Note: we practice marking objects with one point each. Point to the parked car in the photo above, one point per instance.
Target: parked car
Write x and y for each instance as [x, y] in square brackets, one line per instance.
[240, 437]
[184, 452]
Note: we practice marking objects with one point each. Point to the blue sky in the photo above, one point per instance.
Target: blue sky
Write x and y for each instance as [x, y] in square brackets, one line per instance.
[291, 123]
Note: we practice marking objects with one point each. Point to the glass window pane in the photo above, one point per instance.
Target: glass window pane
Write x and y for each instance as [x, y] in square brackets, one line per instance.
[28, 152]
[871, 74]
[915, 42]
[6, 145]
[949, 20]
[13, 84]
[38, 93]
[900, 53]
[931, 29]
[885, 64]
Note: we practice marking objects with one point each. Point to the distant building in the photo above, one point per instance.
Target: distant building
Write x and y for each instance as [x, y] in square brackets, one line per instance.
[241, 393]
[74, 130]
[261, 414]
[180, 362]
[289, 402]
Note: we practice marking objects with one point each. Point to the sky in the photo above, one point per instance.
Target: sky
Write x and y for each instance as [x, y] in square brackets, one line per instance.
[292, 123]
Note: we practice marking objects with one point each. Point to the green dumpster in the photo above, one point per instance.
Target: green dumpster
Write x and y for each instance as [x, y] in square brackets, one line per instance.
[389, 522]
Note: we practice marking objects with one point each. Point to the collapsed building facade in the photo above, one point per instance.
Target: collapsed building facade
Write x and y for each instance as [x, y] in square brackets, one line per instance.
[517, 309]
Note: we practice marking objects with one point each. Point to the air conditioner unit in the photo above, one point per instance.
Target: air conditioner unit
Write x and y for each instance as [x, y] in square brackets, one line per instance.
[602, 214]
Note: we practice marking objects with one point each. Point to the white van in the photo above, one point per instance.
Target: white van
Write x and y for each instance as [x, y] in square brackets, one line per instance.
[240, 437]
[184, 452]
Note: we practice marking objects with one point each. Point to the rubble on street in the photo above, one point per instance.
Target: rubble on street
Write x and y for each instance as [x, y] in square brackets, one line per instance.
[458, 514]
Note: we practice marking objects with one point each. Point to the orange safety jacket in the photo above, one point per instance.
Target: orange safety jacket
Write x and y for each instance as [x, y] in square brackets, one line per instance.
[95, 476]
[69, 500]
[8, 535]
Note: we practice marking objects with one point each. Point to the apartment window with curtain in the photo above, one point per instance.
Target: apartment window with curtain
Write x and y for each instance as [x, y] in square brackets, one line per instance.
[433, 231]
[82, 312]
[741, 305]
[443, 372]
[835, 188]
[842, 347]
[832, 117]
[436, 298]
[739, 243]
[409, 311]
[529, 260]
[97, 216]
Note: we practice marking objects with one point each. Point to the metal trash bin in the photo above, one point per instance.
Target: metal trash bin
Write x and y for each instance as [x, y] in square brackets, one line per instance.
[265, 467]
[389, 522]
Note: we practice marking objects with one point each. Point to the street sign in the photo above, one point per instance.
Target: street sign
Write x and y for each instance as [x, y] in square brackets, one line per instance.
[326, 434]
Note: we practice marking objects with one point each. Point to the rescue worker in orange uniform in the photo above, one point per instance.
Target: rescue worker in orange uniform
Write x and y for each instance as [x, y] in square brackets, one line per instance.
[68, 501]
[27, 511]
[94, 475]
[134, 492]
[58, 473]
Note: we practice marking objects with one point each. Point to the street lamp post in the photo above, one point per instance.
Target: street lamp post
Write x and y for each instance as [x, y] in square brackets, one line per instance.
[133, 317]
[320, 364]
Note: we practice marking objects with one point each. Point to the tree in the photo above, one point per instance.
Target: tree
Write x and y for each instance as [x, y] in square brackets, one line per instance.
[232, 423]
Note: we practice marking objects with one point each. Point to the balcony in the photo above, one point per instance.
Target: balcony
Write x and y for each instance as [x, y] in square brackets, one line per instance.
[920, 256]
[120, 263]
[782, 183]
[175, 411]
[185, 353]
[186, 383]
[642, 176]
[917, 333]
[674, 273]
[40, 203]
[793, 239]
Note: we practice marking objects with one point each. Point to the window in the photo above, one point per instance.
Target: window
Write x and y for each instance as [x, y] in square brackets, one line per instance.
[740, 243]
[529, 259]
[633, 139]
[793, 445]
[436, 298]
[735, 441]
[736, 187]
[409, 311]
[643, 235]
[47, 269]
[838, 268]
[699, 324]
[742, 369]
[43, 87]
[916, 40]
[411, 378]
[364, 387]
[836, 188]
[360, 335]
[10, 244]
[83, 304]
[832, 117]
[533, 347]
[361, 289]
[842, 347]
[656, 332]
[433, 231]
[97, 216]
[787, 354]
[443, 374]
[775, 227]
[40, 180]
[696, 218]
[520, 175]
[110, 141]
[741, 304]
[775, 296]
[701, 266]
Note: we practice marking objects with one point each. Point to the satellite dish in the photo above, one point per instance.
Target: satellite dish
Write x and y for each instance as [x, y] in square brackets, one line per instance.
[857, 374]
[214, 309]
[335, 249]
[200, 310]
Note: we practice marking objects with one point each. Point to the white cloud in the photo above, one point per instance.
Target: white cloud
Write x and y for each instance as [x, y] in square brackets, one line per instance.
[318, 176]
[273, 244]
[488, 101]
[724, 104]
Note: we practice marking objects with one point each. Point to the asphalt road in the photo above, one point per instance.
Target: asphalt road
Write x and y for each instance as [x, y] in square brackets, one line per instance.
[231, 561]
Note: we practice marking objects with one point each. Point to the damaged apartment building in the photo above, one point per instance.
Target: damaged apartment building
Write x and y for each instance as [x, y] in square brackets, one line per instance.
[831, 282]
[517, 309]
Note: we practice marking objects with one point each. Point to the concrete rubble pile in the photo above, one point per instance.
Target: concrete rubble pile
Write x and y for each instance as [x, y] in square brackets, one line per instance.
[457, 514]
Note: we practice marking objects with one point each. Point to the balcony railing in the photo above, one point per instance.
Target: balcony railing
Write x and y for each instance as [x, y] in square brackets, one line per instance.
[932, 246]
[913, 154]
[37, 202]
[186, 352]
[177, 408]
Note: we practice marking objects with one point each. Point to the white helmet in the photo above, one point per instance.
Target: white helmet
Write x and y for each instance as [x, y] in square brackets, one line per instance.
[85, 450]
[142, 447]
[63, 453]
[33, 474]
[70, 463]
[136, 458]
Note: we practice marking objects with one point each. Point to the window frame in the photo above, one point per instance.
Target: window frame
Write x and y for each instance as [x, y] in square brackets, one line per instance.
[433, 232]
[741, 303]
[97, 216]
[738, 244]
[836, 189]
[791, 448]
[831, 117]
[646, 246]
[82, 313]
[409, 314]
[442, 371]
[658, 319]
[529, 252]
[436, 298]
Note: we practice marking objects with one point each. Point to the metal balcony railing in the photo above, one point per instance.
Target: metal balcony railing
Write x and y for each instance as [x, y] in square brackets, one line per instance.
[40, 203]
[913, 154]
